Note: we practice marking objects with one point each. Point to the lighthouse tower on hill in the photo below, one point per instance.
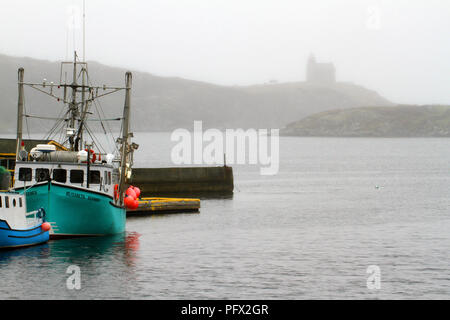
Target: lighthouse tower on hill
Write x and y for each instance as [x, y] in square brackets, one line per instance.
[322, 74]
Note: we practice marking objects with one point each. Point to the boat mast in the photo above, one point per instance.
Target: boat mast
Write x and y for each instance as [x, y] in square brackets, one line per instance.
[84, 107]
[78, 111]
[19, 113]
[73, 105]
[125, 137]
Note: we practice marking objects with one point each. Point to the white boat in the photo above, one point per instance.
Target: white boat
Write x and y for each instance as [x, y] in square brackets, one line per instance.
[19, 228]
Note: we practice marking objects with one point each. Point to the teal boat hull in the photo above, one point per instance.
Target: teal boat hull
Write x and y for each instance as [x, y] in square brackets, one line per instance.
[75, 211]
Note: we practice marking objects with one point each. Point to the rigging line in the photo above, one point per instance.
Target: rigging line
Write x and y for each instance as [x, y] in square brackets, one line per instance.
[26, 120]
[57, 123]
[101, 112]
[43, 91]
[55, 126]
[61, 111]
[28, 116]
[52, 131]
[60, 135]
[58, 118]
[59, 127]
[115, 146]
[55, 133]
[95, 140]
[101, 122]
[65, 141]
[39, 117]
[40, 124]
[97, 107]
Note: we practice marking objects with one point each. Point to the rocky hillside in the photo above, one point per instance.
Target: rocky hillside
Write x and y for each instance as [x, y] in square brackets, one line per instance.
[164, 104]
[399, 121]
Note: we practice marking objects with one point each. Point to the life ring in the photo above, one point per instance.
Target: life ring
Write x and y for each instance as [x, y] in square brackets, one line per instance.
[93, 155]
[42, 176]
[116, 192]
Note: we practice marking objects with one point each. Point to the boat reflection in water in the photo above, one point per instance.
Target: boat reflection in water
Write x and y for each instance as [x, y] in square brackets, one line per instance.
[106, 264]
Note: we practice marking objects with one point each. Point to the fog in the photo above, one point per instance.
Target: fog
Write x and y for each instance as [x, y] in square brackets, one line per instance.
[400, 49]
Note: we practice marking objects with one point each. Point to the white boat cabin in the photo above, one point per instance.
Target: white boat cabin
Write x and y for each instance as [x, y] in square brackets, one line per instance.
[13, 210]
[102, 177]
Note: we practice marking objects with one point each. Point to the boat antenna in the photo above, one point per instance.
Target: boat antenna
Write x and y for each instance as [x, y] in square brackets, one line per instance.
[84, 30]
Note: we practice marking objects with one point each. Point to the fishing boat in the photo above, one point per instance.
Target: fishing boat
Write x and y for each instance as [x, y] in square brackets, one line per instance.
[19, 228]
[81, 187]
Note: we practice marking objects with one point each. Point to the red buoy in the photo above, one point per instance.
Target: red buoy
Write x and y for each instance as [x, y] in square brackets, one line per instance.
[128, 201]
[130, 192]
[46, 226]
[137, 191]
[134, 205]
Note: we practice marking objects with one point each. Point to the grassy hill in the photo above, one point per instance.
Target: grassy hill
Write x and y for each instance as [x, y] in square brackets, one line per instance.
[164, 104]
[399, 121]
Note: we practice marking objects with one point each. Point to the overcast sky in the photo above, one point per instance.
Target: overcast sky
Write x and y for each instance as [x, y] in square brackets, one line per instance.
[399, 48]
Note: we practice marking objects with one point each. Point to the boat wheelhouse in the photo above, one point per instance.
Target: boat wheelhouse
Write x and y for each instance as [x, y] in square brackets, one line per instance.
[98, 178]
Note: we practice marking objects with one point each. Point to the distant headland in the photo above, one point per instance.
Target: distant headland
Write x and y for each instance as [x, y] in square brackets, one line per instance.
[398, 121]
[318, 106]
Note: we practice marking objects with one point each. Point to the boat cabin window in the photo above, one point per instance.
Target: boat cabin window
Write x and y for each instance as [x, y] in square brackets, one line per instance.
[60, 175]
[76, 176]
[42, 175]
[0, 202]
[109, 177]
[14, 203]
[9, 164]
[94, 177]
[20, 202]
[25, 174]
[6, 202]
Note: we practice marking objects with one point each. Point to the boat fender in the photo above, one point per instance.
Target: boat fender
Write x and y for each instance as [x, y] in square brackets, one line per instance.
[116, 192]
[137, 191]
[46, 226]
[131, 193]
[131, 203]
[128, 201]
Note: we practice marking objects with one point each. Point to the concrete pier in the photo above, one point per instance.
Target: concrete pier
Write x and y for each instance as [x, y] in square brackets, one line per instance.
[190, 181]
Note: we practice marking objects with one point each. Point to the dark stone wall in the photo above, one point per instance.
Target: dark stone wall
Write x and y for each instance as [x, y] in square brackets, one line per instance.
[183, 181]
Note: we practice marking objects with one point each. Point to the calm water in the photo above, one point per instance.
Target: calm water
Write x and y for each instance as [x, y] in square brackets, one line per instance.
[309, 232]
